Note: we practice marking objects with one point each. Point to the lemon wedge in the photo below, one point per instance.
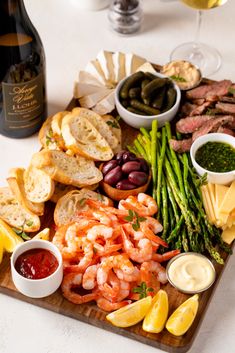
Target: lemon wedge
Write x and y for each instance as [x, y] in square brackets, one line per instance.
[156, 317]
[44, 234]
[182, 318]
[9, 238]
[130, 314]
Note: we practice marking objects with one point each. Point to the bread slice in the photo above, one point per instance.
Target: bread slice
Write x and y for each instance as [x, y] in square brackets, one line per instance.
[56, 123]
[97, 121]
[66, 169]
[83, 138]
[70, 204]
[12, 212]
[61, 190]
[114, 126]
[16, 184]
[46, 137]
[39, 187]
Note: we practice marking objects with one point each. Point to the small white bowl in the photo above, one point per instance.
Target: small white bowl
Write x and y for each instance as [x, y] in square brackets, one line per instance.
[37, 288]
[212, 177]
[137, 120]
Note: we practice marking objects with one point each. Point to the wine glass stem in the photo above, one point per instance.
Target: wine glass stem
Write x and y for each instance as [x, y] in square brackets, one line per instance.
[198, 28]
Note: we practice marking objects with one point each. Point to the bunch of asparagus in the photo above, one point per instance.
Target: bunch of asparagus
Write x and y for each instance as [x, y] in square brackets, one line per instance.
[176, 189]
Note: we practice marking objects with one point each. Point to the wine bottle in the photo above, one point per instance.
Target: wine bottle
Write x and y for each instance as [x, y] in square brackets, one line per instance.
[22, 72]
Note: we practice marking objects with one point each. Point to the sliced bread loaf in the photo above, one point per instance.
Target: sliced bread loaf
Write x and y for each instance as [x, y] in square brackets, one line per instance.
[67, 169]
[12, 212]
[61, 190]
[46, 136]
[39, 187]
[83, 138]
[97, 121]
[69, 205]
[16, 184]
[114, 126]
[56, 123]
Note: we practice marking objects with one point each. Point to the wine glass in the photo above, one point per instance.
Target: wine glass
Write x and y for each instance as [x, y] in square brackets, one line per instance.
[207, 58]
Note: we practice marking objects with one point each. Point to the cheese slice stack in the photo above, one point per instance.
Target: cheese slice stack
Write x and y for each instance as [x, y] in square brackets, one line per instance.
[219, 204]
[96, 84]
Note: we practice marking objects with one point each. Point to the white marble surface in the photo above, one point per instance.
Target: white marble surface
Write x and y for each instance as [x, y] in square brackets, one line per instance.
[71, 38]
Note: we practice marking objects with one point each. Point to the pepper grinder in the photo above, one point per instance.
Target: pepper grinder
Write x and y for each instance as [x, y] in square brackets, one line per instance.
[125, 16]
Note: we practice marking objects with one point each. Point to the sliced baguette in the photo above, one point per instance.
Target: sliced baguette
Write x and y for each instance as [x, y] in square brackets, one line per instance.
[60, 191]
[98, 122]
[39, 187]
[66, 169]
[16, 184]
[12, 212]
[83, 138]
[46, 136]
[56, 123]
[69, 205]
[114, 126]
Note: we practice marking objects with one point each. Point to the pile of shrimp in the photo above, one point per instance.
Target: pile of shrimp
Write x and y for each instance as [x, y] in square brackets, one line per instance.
[105, 256]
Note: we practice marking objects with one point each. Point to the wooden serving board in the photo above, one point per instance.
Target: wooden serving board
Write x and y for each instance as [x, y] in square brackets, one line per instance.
[91, 314]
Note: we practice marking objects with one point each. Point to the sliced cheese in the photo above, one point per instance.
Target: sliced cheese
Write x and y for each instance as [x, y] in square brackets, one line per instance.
[86, 77]
[85, 89]
[208, 205]
[119, 66]
[147, 67]
[228, 235]
[211, 189]
[106, 105]
[228, 203]
[94, 68]
[92, 99]
[105, 59]
[220, 191]
[133, 62]
[230, 220]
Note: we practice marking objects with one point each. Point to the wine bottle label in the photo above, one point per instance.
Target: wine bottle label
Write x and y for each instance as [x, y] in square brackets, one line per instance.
[23, 103]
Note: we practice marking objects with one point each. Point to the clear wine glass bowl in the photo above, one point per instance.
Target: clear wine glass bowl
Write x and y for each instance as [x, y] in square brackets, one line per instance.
[207, 58]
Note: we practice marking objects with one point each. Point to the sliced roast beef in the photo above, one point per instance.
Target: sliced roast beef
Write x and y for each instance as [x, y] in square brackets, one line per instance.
[200, 109]
[212, 125]
[192, 123]
[187, 108]
[198, 101]
[216, 89]
[181, 146]
[231, 124]
[226, 107]
[226, 130]
[227, 99]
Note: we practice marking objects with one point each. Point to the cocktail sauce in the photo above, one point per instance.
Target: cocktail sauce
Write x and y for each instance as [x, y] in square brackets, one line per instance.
[36, 263]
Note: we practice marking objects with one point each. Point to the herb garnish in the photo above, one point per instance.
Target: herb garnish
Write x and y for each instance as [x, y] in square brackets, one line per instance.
[135, 219]
[231, 90]
[82, 201]
[114, 123]
[21, 231]
[142, 290]
[178, 78]
[50, 138]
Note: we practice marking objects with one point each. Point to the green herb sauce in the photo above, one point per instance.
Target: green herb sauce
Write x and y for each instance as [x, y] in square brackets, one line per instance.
[216, 157]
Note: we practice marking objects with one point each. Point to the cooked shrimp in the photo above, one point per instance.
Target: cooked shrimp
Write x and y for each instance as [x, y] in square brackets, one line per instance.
[167, 256]
[107, 305]
[117, 261]
[134, 277]
[97, 215]
[111, 288]
[153, 224]
[143, 251]
[148, 233]
[74, 280]
[153, 267]
[107, 209]
[89, 278]
[84, 261]
[100, 231]
[144, 205]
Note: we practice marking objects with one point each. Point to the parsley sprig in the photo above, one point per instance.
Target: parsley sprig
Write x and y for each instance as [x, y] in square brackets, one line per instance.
[50, 138]
[114, 123]
[21, 231]
[178, 78]
[135, 219]
[142, 290]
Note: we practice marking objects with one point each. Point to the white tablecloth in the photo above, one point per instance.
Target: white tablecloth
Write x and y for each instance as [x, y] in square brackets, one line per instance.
[71, 38]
